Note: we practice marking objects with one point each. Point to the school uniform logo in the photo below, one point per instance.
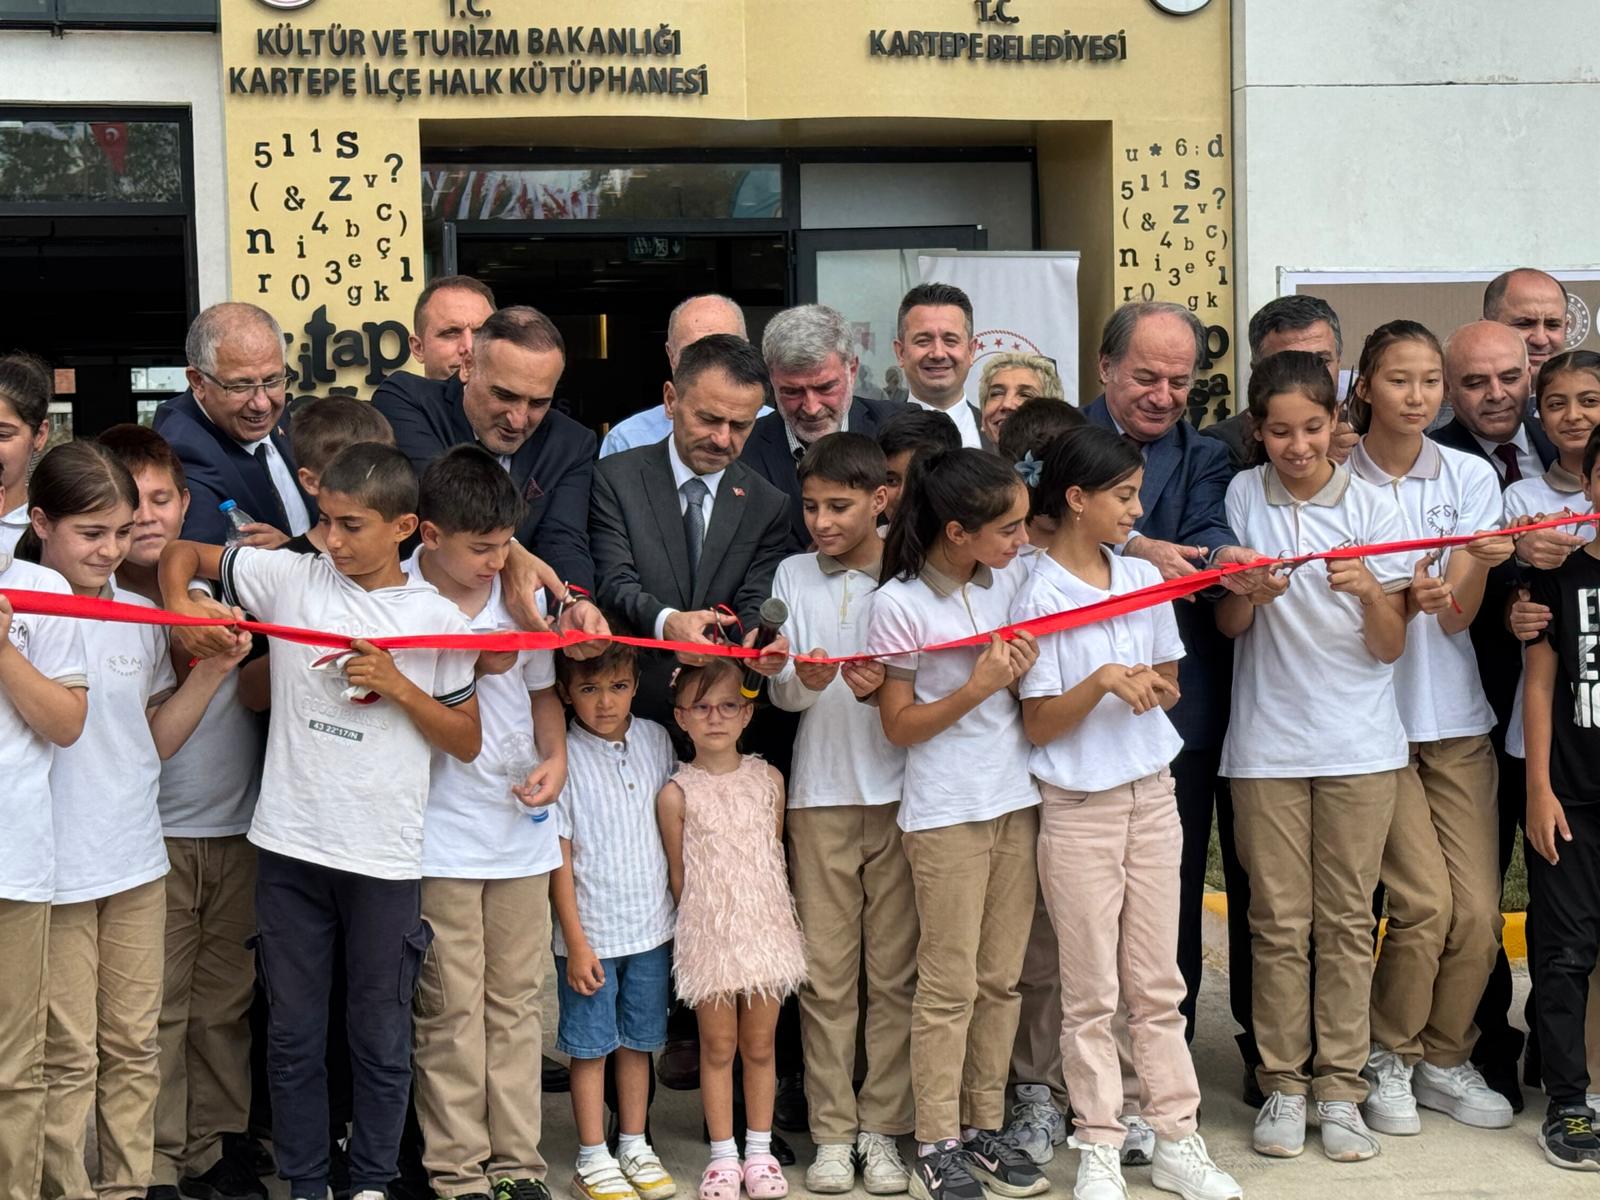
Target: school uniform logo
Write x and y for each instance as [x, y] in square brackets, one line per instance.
[1586, 689]
[127, 665]
[1442, 519]
[19, 635]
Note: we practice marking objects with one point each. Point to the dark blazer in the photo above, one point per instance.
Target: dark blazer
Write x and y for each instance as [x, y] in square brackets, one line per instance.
[217, 469]
[642, 558]
[767, 453]
[553, 469]
[1499, 654]
[1231, 433]
[1186, 479]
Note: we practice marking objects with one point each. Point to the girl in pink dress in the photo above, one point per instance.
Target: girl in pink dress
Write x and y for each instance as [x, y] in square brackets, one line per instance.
[739, 948]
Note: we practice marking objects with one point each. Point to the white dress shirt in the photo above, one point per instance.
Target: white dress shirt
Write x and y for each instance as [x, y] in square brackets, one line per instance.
[283, 482]
[681, 474]
[1528, 460]
[963, 414]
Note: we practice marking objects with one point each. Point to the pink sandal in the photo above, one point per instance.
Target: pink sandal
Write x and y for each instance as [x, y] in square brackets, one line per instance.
[763, 1178]
[721, 1180]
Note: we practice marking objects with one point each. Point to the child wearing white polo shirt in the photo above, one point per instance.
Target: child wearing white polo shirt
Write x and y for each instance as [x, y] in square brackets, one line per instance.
[488, 848]
[1315, 730]
[852, 884]
[339, 823]
[1440, 865]
[43, 703]
[969, 811]
[1110, 844]
[615, 918]
[108, 917]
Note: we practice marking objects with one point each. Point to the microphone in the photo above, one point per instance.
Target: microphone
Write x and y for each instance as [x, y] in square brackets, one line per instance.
[774, 613]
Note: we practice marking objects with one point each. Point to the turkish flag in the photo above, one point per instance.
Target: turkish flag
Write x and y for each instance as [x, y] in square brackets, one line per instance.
[112, 137]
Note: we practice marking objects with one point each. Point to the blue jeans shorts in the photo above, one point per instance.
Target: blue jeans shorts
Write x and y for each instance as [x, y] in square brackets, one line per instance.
[629, 1010]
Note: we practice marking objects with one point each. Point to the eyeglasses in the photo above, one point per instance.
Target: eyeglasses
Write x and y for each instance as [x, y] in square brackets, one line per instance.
[270, 385]
[726, 709]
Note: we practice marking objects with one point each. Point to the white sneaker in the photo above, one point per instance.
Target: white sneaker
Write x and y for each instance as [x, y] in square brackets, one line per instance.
[1185, 1167]
[883, 1171]
[1140, 1143]
[1280, 1130]
[1036, 1126]
[1390, 1107]
[833, 1171]
[1592, 1099]
[1099, 1172]
[369, 1194]
[1460, 1092]
[1345, 1137]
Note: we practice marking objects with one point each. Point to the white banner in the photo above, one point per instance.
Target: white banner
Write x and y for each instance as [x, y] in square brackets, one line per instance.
[1023, 302]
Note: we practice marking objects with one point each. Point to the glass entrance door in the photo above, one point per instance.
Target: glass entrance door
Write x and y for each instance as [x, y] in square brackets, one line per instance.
[864, 273]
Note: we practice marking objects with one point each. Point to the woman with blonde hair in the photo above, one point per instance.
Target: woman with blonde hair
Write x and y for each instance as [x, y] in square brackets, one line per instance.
[1010, 379]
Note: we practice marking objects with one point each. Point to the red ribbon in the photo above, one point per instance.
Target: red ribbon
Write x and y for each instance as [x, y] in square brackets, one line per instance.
[55, 604]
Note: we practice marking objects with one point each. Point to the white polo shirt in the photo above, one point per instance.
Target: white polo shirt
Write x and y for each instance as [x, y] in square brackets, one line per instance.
[107, 825]
[12, 526]
[978, 768]
[473, 827]
[1309, 698]
[1548, 494]
[54, 645]
[1111, 746]
[608, 814]
[344, 784]
[209, 787]
[1444, 493]
[841, 755]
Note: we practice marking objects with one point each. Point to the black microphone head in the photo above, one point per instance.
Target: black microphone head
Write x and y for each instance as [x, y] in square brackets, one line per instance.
[774, 612]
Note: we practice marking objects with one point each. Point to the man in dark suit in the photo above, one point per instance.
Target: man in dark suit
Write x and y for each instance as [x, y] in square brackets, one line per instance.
[1148, 357]
[682, 526]
[1487, 382]
[810, 355]
[934, 346]
[227, 428]
[501, 399]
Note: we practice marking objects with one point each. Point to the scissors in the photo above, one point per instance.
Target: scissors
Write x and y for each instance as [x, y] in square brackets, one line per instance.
[1286, 570]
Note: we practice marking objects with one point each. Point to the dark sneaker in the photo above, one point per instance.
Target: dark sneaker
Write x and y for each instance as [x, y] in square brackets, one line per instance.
[507, 1188]
[553, 1077]
[1568, 1140]
[161, 1191]
[944, 1174]
[230, 1178]
[789, 1109]
[1003, 1168]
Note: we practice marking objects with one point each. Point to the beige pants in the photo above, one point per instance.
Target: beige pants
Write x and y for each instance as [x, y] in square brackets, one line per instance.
[480, 1031]
[24, 995]
[204, 1030]
[1441, 872]
[100, 1049]
[1108, 867]
[1313, 848]
[975, 886]
[852, 887]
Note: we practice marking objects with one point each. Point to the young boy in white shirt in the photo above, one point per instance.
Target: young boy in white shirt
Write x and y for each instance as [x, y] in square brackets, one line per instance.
[852, 884]
[613, 940]
[339, 819]
[207, 795]
[488, 848]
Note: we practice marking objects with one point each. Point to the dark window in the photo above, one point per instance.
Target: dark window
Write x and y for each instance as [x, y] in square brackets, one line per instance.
[91, 162]
[111, 14]
[604, 192]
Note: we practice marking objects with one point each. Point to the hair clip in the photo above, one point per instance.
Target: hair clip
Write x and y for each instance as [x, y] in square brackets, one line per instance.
[1030, 469]
[672, 680]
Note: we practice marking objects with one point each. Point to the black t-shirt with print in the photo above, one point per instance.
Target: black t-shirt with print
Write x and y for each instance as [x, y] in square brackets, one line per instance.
[1572, 594]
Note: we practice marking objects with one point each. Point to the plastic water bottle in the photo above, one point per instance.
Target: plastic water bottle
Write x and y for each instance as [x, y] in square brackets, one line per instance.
[237, 520]
[520, 760]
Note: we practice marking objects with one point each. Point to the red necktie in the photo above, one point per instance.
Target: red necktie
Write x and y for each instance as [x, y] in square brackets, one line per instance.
[1507, 454]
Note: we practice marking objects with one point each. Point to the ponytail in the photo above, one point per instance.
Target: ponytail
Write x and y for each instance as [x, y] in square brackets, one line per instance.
[72, 479]
[969, 487]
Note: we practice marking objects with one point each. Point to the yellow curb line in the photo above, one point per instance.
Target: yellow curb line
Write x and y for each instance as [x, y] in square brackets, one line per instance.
[1514, 937]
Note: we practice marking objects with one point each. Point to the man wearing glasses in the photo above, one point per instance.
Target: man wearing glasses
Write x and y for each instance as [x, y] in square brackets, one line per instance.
[227, 432]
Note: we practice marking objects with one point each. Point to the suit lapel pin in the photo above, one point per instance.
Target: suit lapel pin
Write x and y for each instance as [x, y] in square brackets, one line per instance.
[738, 491]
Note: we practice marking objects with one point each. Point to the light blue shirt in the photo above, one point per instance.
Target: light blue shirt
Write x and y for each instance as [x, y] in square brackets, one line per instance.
[642, 429]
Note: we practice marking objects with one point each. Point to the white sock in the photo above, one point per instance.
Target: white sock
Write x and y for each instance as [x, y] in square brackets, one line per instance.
[727, 1149]
[631, 1143]
[968, 1133]
[926, 1148]
[757, 1142]
[592, 1156]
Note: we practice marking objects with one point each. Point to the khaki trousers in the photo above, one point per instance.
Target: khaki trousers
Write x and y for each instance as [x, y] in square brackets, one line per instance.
[100, 1046]
[1441, 871]
[1109, 870]
[1313, 849]
[204, 1030]
[852, 887]
[480, 1030]
[24, 1003]
[975, 887]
